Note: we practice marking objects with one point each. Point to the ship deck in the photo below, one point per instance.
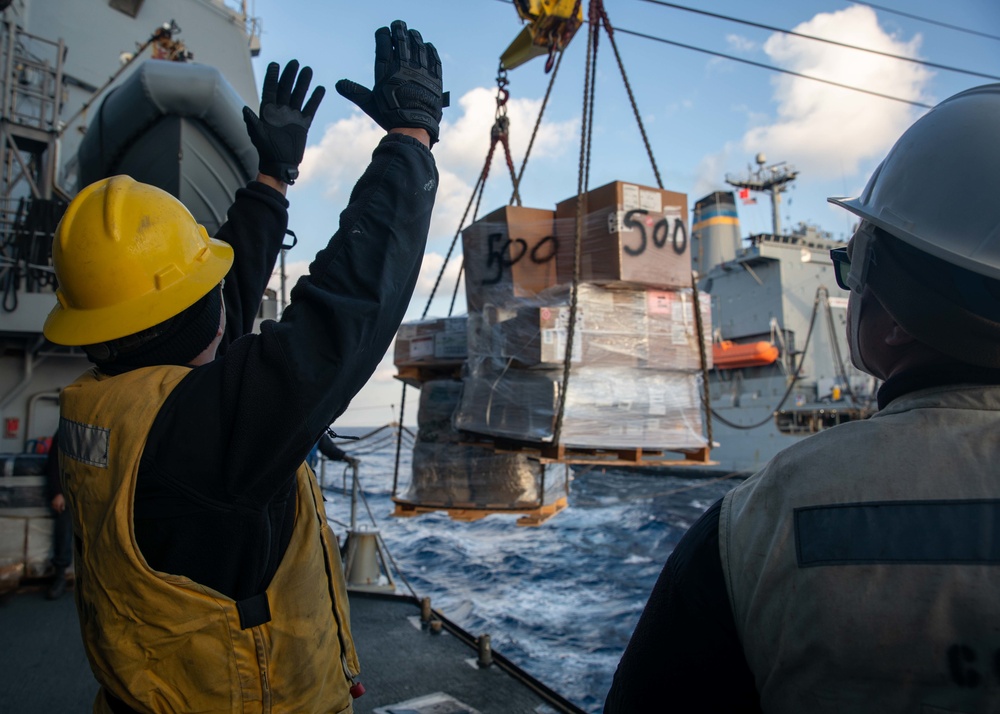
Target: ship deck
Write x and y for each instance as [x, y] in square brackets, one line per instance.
[45, 669]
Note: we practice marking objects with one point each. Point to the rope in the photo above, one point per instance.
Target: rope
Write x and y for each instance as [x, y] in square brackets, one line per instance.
[581, 188]
[628, 88]
[454, 293]
[454, 240]
[399, 440]
[501, 128]
[835, 344]
[705, 387]
[538, 123]
[498, 134]
[366, 436]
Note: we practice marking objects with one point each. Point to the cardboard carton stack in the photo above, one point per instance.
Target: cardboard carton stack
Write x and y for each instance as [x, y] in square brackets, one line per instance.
[426, 349]
[449, 474]
[635, 363]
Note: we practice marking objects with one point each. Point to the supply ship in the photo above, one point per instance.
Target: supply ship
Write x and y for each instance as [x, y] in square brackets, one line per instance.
[782, 368]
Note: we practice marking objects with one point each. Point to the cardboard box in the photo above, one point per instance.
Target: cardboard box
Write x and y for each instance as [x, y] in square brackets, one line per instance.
[536, 337]
[509, 254]
[437, 342]
[671, 342]
[605, 407]
[631, 234]
[610, 325]
[517, 404]
[457, 476]
[438, 401]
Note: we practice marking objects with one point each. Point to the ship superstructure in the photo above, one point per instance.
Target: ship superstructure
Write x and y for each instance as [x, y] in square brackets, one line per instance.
[779, 316]
[128, 96]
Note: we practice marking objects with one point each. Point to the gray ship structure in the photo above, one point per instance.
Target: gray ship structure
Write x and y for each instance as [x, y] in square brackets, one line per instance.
[782, 368]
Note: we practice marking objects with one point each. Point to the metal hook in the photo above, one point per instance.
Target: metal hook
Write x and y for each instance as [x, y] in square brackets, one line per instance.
[552, 58]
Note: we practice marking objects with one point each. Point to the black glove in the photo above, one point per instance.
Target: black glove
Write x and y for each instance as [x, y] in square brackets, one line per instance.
[279, 133]
[407, 91]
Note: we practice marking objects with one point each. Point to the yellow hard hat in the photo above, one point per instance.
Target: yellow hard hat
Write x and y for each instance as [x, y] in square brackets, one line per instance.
[127, 257]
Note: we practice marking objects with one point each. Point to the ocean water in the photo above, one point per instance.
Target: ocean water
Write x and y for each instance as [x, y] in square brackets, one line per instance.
[561, 599]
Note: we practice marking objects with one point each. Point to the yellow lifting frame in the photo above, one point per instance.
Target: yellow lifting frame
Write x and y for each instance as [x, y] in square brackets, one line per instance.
[551, 25]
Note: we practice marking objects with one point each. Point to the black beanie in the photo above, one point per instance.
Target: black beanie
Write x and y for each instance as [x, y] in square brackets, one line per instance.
[954, 310]
[178, 340]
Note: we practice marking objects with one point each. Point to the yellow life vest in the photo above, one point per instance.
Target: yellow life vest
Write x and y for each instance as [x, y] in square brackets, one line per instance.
[162, 642]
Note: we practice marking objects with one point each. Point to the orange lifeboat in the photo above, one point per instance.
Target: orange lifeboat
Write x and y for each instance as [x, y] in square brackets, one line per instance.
[729, 355]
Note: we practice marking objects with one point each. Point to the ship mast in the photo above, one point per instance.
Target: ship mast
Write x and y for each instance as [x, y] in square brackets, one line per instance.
[773, 180]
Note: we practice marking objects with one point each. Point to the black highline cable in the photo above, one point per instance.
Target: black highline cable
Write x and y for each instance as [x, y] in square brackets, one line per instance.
[771, 28]
[764, 66]
[773, 68]
[927, 20]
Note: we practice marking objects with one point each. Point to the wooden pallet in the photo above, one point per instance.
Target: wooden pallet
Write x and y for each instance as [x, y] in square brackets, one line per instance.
[530, 516]
[416, 375]
[562, 454]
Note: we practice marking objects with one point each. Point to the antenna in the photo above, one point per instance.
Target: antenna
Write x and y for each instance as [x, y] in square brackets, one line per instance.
[773, 180]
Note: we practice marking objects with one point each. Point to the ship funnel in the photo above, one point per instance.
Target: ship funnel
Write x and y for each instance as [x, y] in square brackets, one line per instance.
[716, 231]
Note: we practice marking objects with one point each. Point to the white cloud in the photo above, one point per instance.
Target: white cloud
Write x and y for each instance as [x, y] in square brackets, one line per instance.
[830, 131]
[430, 268]
[467, 139]
[429, 271]
[345, 149]
[827, 131]
[711, 169]
[739, 43]
[341, 156]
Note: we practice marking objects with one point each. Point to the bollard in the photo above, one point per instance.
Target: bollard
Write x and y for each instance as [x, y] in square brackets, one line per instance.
[436, 626]
[425, 610]
[485, 651]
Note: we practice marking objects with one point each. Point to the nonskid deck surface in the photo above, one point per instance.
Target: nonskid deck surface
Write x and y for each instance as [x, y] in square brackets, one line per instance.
[45, 669]
[41, 655]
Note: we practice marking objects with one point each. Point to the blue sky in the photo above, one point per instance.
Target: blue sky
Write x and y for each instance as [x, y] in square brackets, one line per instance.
[706, 116]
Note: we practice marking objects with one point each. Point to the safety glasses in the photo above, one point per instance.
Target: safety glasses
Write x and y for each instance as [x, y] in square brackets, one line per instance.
[841, 266]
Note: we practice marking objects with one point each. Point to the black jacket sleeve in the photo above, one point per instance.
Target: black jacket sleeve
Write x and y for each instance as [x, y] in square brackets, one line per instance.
[685, 655]
[330, 450]
[255, 226]
[234, 431]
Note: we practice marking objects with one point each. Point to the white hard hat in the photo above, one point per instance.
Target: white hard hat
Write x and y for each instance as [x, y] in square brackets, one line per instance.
[939, 187]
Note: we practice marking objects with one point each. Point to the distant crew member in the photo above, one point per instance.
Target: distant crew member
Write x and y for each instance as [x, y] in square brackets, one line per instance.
[207, 577]
[859, 571]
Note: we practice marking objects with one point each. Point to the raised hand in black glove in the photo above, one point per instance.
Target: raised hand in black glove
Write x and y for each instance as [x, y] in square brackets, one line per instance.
[279, 133]
[407, 91]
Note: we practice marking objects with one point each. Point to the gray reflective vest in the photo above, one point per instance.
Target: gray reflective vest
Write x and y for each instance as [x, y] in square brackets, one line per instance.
[863, 564]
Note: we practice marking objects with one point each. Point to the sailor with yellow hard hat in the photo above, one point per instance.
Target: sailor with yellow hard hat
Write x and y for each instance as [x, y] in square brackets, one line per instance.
[207, 577]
